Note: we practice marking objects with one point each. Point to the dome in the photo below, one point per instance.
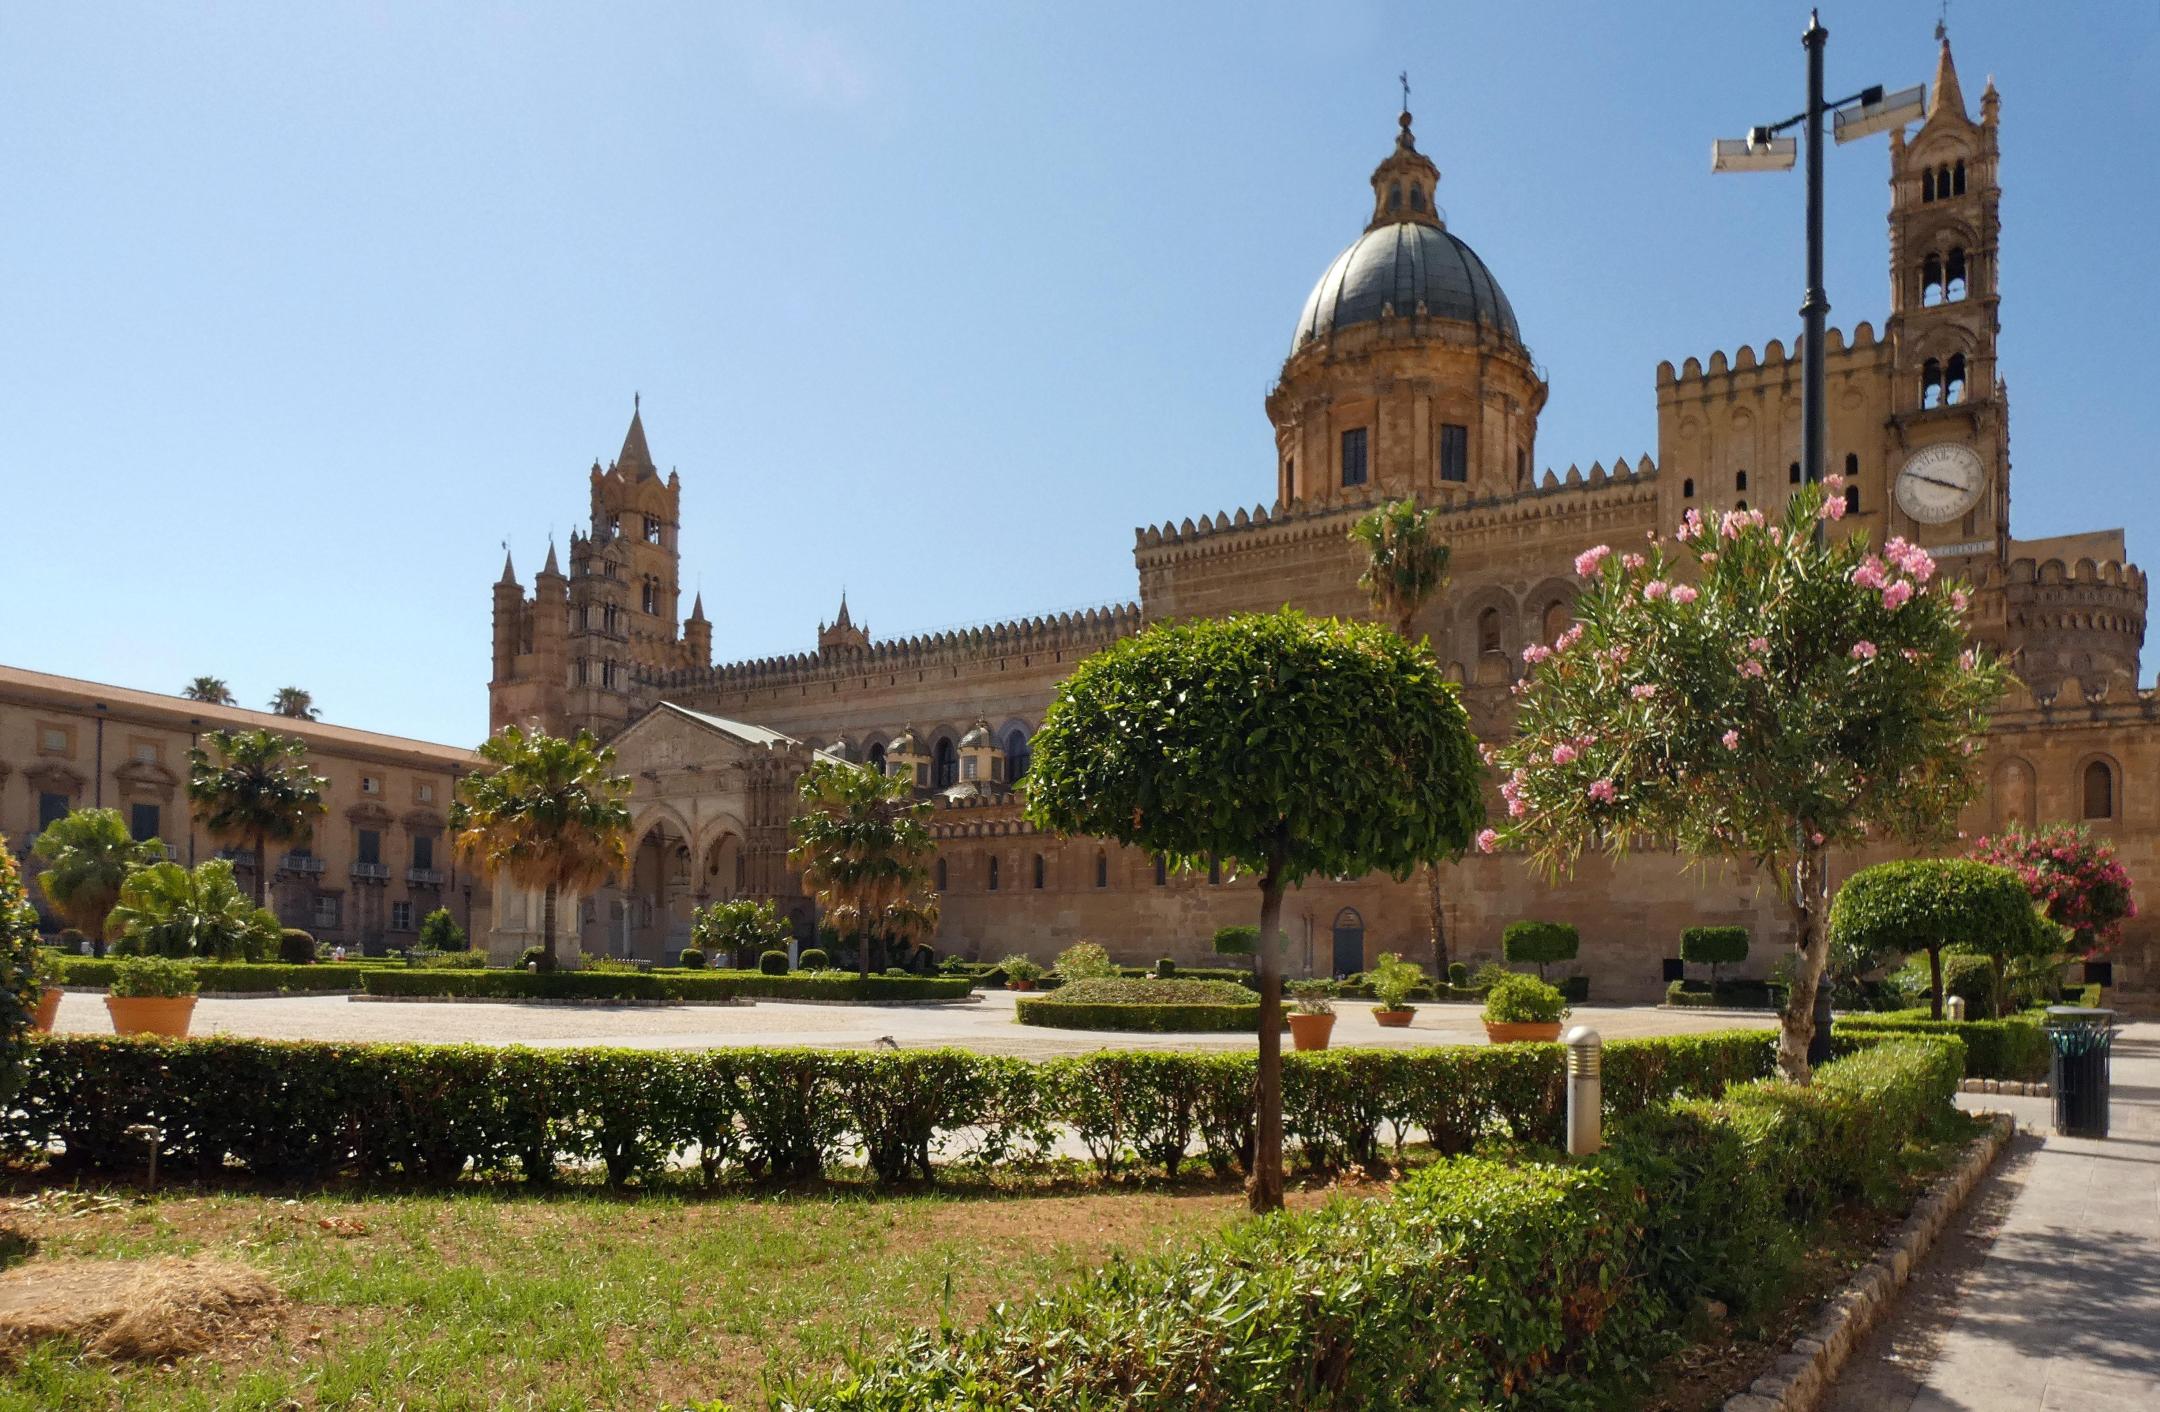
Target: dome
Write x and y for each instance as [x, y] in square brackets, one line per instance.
[1400, 265]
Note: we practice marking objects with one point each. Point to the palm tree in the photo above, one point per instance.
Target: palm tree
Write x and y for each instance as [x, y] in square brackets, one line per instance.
[168, 910]
[292, 701]
[1405, 565]
[211, 691]
[863, 848]
[257, 791]
[88, 857]
[549, 816]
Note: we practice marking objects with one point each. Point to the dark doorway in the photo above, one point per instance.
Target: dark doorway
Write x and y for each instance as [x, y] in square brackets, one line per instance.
[1349, 942]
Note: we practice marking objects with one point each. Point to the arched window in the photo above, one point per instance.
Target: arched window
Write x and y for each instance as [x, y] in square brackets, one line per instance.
[1927, 185]
[2099, 791]
[1557, 614]
[1792, 474]
[1931, 383]
[1162, 871]
[1931, 281]
[1039, 872]
[946, 773]
[1417, 197]
[993, 872]
[1852, 499]
[1954, 276]
[1852, 464]
[1016, 753]
[1741, 505]
[1957, 183]
[1942, 180]
[1102, 868]
[939, 873]
[1954, 380]
[1394, 197]
[1739, 480]
[875, 758]
[1687, 488]
[1488, 630]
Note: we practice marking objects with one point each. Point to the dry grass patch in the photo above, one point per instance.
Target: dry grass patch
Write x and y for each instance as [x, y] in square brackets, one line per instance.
[135, 1311]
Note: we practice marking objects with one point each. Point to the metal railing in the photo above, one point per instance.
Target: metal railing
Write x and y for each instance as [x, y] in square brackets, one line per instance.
[301, 863]
[425, 877]
[371, 870]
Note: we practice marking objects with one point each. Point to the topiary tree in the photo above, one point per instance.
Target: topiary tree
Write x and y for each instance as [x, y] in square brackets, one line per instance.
[1931, 905]
[439, 931]
[1284, 745]
[1755, 693]
[740, 930]
[296, 947]
[2072, 875]
[1714, 947]
[20, 984]
[1083, 961]
[812, 959]
[1539, 944]
[88, 855]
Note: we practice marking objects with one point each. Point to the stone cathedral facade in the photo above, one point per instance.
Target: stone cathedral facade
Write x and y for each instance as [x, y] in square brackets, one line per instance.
[1406, 374]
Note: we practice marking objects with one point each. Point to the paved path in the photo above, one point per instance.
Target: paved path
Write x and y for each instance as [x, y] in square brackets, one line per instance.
[986, 1027]
[2046, 1295]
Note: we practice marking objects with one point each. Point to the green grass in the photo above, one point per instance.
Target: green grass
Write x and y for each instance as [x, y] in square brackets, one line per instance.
[490, 1299]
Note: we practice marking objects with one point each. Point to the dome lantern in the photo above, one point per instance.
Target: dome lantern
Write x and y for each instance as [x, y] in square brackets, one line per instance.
[1406, 185]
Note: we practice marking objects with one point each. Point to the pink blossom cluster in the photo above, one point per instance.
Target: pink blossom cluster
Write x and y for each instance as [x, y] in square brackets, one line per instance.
[1958, 601]
[1752, 669]
[1642, 691]
[2073, 876]
[1488, 840]
[1535, 653]
[1632, 562]
[1602, 791]
[1863, 651]
[1511, 790]
[1568, 639]
[1758, 644]
[1586, 563]
[1563, 754]
[1655, 589]
[1733, 521]
[1910, 557]
[1730, 740]
[1690, 525]
[1684, 594]
[1832, 508]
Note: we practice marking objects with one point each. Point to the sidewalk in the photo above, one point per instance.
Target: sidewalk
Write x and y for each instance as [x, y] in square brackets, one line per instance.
[2045, 1296]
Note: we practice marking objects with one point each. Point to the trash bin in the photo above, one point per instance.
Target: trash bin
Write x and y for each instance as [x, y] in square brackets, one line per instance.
[2081, 1040]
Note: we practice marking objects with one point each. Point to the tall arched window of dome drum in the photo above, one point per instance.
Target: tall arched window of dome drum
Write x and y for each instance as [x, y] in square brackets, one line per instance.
[1739, 480]
[993, 872]
[1016, 754]
[1954, 380]
[1394, 197]
[1040, 872]
[1954, 279]
[947, 772]
[938, 872]
[1102, 868]
[1957, 180]
[1417, 198]
[1353, 456]
[1931, 383]
[2099, 791]
[1931, 281]
[1488, 630]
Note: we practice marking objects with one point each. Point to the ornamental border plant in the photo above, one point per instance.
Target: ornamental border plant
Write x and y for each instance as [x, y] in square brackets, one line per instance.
[2075, 877]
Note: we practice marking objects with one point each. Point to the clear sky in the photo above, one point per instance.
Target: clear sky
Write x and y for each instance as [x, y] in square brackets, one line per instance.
[305, 309]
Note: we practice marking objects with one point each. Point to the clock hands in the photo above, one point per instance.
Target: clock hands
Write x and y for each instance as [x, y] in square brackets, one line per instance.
[1937, 480]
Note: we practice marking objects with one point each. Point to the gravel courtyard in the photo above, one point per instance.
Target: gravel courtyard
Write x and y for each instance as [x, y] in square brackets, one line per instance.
[985, 1025]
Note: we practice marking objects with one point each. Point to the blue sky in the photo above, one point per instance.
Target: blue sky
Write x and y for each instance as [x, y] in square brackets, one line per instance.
[309, 308]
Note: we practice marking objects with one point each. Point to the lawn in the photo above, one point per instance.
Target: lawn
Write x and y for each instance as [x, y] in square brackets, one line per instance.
[491, 1298]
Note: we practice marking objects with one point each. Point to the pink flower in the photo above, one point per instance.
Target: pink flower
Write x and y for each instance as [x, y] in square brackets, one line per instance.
[1910, 557]
[1690, 524]
[1488, 840]
[1601, 791]
[1710, 558]
[1863, 651]
[1897, 595]
[1968, 659]
[1834, 483]
[1535, 653]
[1815, 838]
[1869, 573]
[1516, 808]
[1632, 562]
[1563, 754]
[1731, 740]
[1758, 644]
[1642, 691]
[1684, 593]
[1831, 509]
[1654, 590]
[1586, 563]
[1751, 668]
[1958, 600]
[1568, 639]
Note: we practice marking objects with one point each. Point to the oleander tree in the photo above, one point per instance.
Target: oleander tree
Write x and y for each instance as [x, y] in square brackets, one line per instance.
[88, 855]
[2073, 876]
[549, 814]
[1751, 692]
[862, 844]
[1282, 745]
[1406, 565]
[253, 789]
[740, 929]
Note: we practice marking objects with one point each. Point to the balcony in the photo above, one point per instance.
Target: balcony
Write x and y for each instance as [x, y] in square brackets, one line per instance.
[242, 859]
[172, 854]
[300, 863]
[425, 877]
[374, 872]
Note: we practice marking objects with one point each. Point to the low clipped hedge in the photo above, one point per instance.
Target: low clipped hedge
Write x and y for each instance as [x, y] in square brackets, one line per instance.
[1480, 1283]
[1994, 1049]
[692, 987]
[1154, 1006]
[237, 976]
[1726, 995]
[305, 1111]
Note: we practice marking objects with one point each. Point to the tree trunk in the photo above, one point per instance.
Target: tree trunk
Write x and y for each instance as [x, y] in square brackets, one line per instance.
[1264, 1187]
[1935, 982]
[1438, 909]
[1810, 902]
[548, 960]
[862, 955]
[262, 868]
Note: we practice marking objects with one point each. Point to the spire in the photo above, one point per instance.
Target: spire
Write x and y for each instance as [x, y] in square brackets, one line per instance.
[509, 573]
[1947, 93]
[843, 621]
[1405, 185]
[635, 459]
[697, 607]
[551, 567]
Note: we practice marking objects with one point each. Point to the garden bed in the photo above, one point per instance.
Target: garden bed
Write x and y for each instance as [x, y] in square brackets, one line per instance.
[1151, 1006]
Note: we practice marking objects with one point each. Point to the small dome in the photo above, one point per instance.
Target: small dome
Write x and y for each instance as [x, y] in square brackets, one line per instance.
[978, 738]
[1399, 266]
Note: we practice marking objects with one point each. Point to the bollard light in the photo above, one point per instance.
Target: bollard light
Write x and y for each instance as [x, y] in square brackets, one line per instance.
[1953, 1007]
[1585, 1091]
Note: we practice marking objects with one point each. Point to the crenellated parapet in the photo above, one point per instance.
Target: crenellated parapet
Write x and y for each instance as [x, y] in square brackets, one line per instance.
[2079, 623]
[1083, 631]
[1694, 379]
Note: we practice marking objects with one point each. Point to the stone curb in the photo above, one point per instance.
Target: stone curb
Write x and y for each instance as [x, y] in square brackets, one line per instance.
[2038, 1088]
[1805, 1371]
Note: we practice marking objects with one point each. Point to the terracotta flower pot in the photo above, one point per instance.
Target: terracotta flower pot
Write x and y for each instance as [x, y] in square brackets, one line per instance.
[151, 1014]
[1394, 1019]
[1310, 1031]
[48, 1009]
[1019, 985]
[1523, 1031]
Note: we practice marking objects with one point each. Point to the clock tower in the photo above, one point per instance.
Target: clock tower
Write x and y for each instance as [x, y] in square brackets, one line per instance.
[1948, 434]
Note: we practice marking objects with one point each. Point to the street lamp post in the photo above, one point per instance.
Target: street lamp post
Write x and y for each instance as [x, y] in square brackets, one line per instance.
[1861, 115]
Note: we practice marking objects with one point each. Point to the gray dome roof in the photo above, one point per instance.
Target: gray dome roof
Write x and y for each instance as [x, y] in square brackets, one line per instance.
[1398, 265]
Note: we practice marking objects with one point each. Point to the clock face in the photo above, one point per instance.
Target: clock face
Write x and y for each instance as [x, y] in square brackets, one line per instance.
[1941, 483]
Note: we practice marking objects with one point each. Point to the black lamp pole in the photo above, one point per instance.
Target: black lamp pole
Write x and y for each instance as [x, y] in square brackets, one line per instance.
[1814, 309]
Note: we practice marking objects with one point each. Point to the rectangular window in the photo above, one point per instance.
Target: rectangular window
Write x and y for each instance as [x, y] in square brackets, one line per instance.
[147, 752]
[51, 808]
[370, 845]
[401, 916]
[55, 740]
[967, 768]
[423, 851]
[143, 821]
[1454, 452]
[425, 794]
[326, 913]
[1353, 456]
[370, 785]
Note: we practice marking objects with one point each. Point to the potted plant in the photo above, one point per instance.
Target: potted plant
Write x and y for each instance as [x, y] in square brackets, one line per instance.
[152, 995]
[1021, 972]
[1393, 980]
[1521, 1008]
[1314, 1018]
[45, 976]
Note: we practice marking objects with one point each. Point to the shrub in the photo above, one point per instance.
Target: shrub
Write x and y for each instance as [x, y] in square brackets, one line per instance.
[153, 977]
[70, 939]
[1458, 975]
[295, 947]
[1139, 1017]
[1394, 980]
[691, 959]
[1539, 943]
[1994, 1049]
[773, 963]
[1237, 941]
[1082, 961]
[1021, 968]
[736, 931]
[1714, 947]
[1165, 967]
[813, 959]
[439, 931]
[1932, 905]
[532, 956]
[24, 972]
[1519, 1000]
[448, 960]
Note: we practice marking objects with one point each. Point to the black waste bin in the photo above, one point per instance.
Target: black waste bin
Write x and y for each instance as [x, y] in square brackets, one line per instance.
[2081, 1039]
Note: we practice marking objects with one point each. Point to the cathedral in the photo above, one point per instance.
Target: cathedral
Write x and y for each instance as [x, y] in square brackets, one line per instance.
[1406, 375]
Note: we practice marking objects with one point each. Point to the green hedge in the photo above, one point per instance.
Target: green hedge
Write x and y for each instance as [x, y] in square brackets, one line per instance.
[235, 975]
[1728, 995]
[1479, 1284]
[1137, 1017]
[1994, 1049]
[715, 987]
[309, 1111]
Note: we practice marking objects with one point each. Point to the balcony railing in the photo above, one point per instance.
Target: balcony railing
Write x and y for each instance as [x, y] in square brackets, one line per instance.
[242, 859]
[172, 854]
[301, 863]
[424, 877]
[379, 871]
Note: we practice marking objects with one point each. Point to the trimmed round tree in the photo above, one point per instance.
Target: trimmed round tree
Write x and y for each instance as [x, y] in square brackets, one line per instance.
[1539, 944]
[1714, 947]
[2070, 874]
[1934, 905]
[1756, 693]
[1286, 745]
